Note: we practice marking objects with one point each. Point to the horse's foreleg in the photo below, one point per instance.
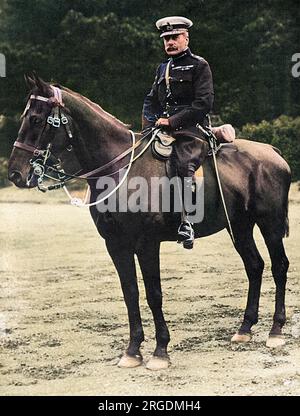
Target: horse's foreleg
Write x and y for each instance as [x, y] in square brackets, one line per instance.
[254, 265]
[148, 256]
[123, 257]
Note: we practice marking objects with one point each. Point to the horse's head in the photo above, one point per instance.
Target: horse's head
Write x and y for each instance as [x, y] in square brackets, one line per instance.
[39, 133]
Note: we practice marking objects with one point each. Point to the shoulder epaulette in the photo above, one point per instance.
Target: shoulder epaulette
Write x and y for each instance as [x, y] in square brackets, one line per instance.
[199, 58]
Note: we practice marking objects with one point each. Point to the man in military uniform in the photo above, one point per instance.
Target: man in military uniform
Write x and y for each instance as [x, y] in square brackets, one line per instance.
[181, 97]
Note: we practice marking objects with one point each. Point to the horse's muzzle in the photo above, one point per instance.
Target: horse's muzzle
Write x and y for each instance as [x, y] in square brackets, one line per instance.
[16, 178]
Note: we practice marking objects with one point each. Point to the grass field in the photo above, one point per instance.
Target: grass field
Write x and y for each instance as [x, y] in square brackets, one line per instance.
[63, 322]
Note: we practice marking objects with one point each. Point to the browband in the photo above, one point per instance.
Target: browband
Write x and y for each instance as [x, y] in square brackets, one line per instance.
[56, 100]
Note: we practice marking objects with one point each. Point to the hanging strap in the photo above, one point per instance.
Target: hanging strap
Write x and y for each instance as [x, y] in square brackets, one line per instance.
[167, 77]
[212, 144]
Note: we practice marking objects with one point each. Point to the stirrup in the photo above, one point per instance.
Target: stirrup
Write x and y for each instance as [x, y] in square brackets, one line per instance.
[186, 235]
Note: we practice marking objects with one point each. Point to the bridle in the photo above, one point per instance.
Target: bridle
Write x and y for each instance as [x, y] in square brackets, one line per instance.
[55, 119]
[45, 164]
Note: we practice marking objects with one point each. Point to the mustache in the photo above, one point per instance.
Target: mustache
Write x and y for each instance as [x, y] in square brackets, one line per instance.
[172, 48]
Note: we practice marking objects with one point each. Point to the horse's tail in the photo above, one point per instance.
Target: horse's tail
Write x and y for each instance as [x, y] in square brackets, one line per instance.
[286, 187]
[286, 219]
[286, 203]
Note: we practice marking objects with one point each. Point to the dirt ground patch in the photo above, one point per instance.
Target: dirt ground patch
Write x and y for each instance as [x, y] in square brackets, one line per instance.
[63, 322]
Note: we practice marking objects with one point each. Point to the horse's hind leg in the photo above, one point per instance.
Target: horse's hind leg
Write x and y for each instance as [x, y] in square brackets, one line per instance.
[148, 256]
[254, 265]
[122, 255]
[273, 233]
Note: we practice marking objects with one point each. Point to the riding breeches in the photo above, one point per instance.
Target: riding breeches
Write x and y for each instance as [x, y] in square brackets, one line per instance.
[189, 152]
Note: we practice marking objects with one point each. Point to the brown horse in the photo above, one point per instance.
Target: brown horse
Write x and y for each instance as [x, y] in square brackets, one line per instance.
[256, 181]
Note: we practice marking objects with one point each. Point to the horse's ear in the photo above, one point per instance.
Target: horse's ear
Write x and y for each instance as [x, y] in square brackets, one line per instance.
[29, 81]
[41, 84]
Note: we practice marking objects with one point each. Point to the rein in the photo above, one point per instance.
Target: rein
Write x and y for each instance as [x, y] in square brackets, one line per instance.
[44, 163]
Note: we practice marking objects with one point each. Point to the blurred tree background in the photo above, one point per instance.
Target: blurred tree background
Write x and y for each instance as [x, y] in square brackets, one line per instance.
[108, 50]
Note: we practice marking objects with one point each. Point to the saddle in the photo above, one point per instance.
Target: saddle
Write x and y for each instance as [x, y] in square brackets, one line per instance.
[162, 145]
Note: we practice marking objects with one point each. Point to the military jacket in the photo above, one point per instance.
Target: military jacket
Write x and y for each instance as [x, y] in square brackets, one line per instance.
[190, 96]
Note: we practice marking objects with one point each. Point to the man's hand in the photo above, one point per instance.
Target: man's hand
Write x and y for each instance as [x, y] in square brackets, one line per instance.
[162, 122]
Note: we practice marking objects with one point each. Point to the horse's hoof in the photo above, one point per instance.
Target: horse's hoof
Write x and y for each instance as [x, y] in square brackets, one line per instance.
[158, 363]
[129, 361]
[241, 338]
[275, 341]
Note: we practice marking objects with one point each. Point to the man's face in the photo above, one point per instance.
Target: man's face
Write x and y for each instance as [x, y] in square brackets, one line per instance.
[175, 44]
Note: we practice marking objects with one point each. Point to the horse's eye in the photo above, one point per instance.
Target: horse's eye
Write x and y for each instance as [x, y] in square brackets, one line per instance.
[35, 120]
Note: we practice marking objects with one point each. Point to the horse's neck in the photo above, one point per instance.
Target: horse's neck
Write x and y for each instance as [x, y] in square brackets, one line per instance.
[99, 136]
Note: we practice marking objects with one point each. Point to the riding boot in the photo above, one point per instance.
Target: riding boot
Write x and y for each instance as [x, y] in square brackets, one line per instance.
[185, 231]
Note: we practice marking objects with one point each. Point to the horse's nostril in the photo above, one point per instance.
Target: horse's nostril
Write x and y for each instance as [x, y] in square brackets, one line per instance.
[15, 177]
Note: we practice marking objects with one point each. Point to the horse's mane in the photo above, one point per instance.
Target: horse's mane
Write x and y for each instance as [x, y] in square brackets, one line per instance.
[94, 106]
